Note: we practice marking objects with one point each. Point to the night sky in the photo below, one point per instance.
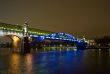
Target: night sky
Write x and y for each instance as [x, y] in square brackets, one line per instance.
[78, 17]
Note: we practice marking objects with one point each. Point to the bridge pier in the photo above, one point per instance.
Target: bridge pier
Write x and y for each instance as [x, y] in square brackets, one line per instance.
[25, 46]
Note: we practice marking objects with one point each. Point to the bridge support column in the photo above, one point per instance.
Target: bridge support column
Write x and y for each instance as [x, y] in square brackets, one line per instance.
[25, 47]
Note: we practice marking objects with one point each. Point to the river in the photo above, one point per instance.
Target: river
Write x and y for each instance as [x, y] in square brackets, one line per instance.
[70, 61]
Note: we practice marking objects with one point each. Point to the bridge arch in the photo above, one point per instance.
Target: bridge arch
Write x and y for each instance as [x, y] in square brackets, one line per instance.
[15, 40]
[61, 37]
[55, 37]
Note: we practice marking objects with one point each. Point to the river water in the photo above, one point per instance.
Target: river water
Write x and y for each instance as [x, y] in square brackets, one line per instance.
[89, 61]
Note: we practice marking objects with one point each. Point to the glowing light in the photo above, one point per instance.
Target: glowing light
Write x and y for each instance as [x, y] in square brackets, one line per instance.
[28, 61]
[47, 37]
[67, 49]
[75, 49]
[53, 38]
[60, 49]
[99, 49]
[16, 42]
[57, 38]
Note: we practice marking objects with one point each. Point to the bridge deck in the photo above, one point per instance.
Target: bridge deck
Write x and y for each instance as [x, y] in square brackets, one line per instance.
[18, 28]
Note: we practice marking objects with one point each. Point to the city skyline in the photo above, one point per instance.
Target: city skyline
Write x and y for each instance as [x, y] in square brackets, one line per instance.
[88, 18]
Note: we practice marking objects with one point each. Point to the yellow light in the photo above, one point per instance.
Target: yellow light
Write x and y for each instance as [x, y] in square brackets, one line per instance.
[16, 42]
[14, 63]
[28, 59]
[28, 62]
[15, 38]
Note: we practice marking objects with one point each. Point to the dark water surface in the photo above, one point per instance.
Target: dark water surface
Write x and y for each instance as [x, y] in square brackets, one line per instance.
[91, 61]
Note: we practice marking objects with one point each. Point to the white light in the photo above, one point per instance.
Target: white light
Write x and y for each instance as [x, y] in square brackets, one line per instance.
[67, 39]
[53, 38]
[47, 37]
[57, 38]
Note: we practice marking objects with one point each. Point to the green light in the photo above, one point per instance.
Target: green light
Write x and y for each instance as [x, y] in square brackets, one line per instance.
[18, 28]
[75, 49]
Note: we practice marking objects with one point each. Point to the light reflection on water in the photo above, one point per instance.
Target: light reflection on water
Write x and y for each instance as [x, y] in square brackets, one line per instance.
[70, 61]
[14, 63]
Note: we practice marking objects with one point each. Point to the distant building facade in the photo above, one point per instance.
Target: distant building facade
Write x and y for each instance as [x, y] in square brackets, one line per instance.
[104, 41]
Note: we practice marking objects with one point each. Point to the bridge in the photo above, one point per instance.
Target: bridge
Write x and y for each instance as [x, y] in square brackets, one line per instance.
[16, 33]
[7, 29]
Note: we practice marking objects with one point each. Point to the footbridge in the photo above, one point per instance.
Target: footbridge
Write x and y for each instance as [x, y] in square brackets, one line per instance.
[16, 33]
[61, 38]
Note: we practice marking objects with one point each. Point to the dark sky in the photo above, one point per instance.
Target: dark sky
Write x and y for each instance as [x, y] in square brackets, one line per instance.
[77, 17]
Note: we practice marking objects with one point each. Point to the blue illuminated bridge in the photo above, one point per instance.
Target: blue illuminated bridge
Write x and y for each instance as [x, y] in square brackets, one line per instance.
[36, 36]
